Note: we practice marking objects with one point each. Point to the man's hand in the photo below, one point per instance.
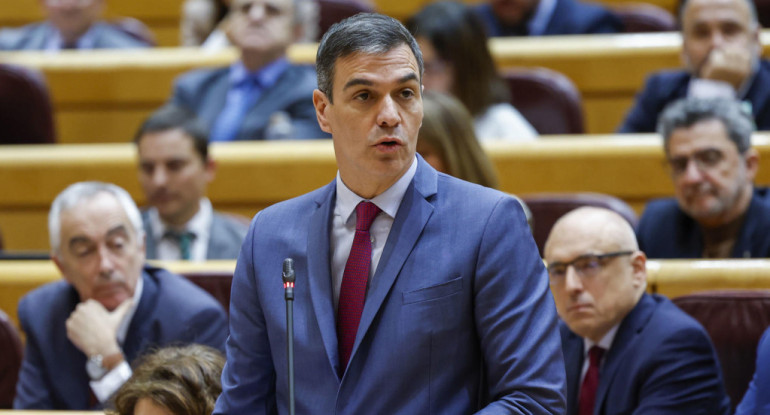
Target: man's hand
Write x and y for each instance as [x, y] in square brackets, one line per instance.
[728, 64]
[93, 329]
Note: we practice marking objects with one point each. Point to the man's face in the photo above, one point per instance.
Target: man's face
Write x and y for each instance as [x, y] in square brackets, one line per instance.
[375, 117]
[716, 24]
[173, 175]
[512, 12]
[592, 303]
[710, 176]
[100, 253]
[262, 26]
[73, 17]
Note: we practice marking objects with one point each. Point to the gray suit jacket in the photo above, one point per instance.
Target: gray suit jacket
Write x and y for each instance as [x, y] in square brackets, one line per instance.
[204, 92]
[225, 238]
[36, 36]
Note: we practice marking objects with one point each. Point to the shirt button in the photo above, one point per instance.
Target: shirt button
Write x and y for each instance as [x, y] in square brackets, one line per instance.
[371, 238]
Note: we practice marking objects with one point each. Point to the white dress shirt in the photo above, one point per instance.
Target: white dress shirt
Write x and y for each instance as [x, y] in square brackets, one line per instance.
[605, 343]
[344, 224]
[200, 224]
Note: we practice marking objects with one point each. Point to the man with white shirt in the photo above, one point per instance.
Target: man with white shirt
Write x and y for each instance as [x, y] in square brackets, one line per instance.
[625, 351]
[174, 170]
[721, 53]
[82, 332]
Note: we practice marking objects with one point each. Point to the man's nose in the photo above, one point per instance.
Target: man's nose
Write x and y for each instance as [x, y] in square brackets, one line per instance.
[388, 115]
[159, 176]
[106, 262]
[572, 280]
[257, 12]
[692, 173]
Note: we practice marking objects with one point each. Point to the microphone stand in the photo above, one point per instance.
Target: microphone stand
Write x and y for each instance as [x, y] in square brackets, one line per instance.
[288, 286]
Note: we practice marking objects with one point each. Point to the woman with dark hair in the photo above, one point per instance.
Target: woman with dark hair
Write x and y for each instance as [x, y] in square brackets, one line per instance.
[173, 381]
[457, 61]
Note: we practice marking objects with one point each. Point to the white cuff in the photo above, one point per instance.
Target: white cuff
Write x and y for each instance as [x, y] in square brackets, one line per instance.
[709, 88]
[111, 382]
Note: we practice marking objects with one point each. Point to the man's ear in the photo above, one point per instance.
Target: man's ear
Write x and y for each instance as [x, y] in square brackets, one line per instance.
[639, 268]
[211, 169]
[59, 266]
[322, 104]
[751, 158]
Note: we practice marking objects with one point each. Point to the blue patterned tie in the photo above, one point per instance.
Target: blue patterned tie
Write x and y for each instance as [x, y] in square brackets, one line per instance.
[239, 102]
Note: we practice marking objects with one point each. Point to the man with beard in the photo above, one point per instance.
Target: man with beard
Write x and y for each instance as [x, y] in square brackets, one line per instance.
[717, 212]
[174, 170]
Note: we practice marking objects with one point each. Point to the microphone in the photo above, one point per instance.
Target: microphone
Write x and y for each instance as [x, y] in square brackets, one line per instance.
[288, 289]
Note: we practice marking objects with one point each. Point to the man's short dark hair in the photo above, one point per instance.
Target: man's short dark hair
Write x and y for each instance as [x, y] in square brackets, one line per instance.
[363, 33]
[171, 117]
[685, 113]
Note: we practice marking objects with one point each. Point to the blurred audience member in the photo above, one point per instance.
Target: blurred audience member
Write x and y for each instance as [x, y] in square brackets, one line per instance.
[447, 141]
[200, 18]
[173, 381]
[70, 24]
[261, 96]
[721, 54]
[174, 170]
[108, 309]
[546, 17]
[717, 212]
[457, 61]
[625, 351]
[756, 401]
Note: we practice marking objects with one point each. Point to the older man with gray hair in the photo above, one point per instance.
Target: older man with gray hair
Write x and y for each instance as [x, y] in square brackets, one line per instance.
[83, 331]
[717, 212]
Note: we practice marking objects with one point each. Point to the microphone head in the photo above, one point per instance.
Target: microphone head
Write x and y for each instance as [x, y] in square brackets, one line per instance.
[288, 270]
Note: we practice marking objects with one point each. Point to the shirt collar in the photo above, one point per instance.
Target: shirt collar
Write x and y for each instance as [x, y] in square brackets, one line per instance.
[123, 328]
[605, 343]
[388, 201]
[198, 224]
[265, 76]
[540, 18]
[86, 41]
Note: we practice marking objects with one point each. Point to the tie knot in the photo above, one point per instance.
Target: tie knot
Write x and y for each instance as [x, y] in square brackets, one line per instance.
[595, 354]
[365, 214]
[179, 235]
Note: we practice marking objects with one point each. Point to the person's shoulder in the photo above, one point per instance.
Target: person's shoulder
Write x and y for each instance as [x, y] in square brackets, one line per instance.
[580, 17]
[656, 213]
[54, 295]
[659, 206]
[19, 38]
[201, 77]
[231, 223]
[299, 78]
[667, 77]
[112, 37]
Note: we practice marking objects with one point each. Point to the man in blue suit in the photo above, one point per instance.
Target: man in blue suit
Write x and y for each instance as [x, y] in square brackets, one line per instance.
[261, 96]
[416, 292]
[69, 25]
[625, 351]
[721, 54]
[756, 401]
[83, 331]
[546, 17]
[717, 211]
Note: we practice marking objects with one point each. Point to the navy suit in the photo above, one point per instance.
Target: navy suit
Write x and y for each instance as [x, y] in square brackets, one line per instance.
[36, 37]
[53, 374]
[665, 231]
[756, 401]
[225, 237]
[570, 17]
[458, 316]
[204, 92]
[664, 87]
[660, 362]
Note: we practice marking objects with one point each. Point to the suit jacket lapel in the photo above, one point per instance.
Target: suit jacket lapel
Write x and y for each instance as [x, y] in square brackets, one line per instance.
[319, 271]
[410, 220]
[631, 326]
[257, 118]
[137, 336]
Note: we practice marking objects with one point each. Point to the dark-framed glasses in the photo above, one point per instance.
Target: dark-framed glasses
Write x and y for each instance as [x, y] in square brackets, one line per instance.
[585, 265]
[704, 160]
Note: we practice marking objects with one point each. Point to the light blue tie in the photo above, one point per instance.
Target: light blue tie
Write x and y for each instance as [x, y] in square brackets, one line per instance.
[239, 102]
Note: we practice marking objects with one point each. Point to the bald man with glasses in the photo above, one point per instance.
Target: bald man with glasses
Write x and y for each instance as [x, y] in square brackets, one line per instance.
[625, 351]
[717, 211]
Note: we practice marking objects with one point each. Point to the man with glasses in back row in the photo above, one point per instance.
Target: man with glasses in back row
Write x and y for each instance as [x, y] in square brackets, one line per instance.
[717, 212]
[625, 351]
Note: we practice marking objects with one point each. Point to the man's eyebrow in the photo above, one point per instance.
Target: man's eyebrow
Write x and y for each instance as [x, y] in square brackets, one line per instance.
[359, 81]
[77, 240]
[120, 229]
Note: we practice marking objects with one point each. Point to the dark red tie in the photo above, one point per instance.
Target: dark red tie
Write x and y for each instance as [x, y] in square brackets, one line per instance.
[590, 382]
[353, 290]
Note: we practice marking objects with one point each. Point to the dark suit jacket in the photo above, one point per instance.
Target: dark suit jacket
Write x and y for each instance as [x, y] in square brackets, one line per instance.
[225, 237]
[458, 315]
[35, 37]
[53, 374]
[665, 231]
[664, 87]
[204, 92]
[570, 17]
[661, 362]
[756, 401]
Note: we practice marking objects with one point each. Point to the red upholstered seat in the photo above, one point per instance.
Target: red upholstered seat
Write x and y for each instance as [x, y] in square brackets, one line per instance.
[215, 283]
[735, 320]
[26, 116]
[547, 208]
[547, 99]
[11, 353]
[333, 11]
[643, 17]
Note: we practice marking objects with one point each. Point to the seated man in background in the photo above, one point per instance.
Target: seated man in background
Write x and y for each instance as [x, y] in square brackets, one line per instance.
[717, 212]
[546, 17]
[262, 96]
[174, 170]
[721, 54]
[625, 351]
[110, 308]
[70, 24]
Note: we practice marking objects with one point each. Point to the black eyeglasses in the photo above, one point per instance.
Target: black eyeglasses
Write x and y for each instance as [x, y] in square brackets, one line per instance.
[585, 265]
